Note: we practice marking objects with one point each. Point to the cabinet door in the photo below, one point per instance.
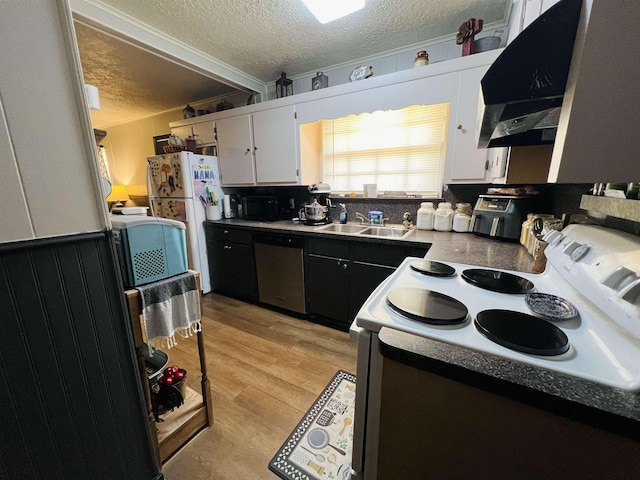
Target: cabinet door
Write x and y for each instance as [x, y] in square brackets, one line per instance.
[232, 269]
[182, 132]
[274, 139]
[235, 154]
[467, 163]
[364, 278]
[327, 289]
[204, 133]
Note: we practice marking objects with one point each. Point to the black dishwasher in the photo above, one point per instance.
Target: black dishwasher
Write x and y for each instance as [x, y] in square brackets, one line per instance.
[280, 270]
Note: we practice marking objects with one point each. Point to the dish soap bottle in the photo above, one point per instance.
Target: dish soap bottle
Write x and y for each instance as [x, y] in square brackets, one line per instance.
[425, 216]
[343, 213]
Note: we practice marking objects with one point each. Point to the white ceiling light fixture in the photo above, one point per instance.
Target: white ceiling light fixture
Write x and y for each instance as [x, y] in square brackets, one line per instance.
[328, 10]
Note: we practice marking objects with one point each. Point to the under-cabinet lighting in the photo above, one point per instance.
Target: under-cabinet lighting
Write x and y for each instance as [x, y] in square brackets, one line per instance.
[328, 10]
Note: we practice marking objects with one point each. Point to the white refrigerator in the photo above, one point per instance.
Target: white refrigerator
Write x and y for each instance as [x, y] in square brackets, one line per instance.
[179, 185]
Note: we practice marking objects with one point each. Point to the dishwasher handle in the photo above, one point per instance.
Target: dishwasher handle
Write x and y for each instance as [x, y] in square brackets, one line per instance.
[279, 240]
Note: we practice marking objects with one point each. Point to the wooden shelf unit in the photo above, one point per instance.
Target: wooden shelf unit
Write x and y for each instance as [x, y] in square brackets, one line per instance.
[197, 411]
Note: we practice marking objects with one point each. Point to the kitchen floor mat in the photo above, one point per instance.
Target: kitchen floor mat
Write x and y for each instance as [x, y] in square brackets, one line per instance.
[320, 446]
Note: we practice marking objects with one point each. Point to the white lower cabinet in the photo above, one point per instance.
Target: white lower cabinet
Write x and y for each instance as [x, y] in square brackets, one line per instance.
[259, 148]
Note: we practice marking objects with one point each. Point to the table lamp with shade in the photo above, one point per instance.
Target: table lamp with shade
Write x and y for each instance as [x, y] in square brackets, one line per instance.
[118, 195]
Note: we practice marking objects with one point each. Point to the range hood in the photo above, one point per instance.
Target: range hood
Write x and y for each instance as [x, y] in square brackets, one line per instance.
[524, 87]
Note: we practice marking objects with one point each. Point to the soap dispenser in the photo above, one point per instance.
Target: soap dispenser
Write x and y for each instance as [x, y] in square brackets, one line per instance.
[343, 213]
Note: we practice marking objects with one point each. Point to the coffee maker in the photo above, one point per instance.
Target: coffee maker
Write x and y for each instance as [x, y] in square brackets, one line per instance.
[317, 211]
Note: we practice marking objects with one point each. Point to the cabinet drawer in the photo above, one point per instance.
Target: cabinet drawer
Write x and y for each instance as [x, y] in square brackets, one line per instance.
[328, 247]
[234, 235]
[389, 255]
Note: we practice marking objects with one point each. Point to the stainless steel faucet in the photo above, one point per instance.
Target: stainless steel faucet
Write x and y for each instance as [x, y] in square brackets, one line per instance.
[362, 218]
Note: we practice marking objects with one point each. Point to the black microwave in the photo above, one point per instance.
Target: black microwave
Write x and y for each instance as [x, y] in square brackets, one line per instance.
[259, 207]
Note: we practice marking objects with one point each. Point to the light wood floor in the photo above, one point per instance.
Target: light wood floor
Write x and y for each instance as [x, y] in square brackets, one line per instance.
[266, 369]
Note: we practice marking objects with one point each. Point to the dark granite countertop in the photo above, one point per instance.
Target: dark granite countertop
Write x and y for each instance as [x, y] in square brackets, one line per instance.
[444, 246]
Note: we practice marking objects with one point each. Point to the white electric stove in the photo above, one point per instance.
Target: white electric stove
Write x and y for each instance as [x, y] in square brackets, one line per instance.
[580, 317]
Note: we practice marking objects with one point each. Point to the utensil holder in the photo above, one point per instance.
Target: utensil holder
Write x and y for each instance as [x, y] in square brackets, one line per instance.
[213, 212]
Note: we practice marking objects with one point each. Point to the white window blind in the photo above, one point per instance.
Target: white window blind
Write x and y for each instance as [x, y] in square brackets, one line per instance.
[400, 151]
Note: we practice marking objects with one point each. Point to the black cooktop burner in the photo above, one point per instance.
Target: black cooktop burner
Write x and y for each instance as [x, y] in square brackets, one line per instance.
[496, 281]
[427, 306]
[522, 332]
[435, 269]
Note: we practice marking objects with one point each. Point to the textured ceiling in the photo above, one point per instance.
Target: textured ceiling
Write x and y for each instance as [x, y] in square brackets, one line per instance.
[261, 38]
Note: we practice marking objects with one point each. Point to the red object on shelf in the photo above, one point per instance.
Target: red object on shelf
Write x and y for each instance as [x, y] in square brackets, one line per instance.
[466, 35]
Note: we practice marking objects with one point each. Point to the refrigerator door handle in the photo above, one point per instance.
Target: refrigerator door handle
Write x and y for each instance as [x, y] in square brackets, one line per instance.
[153, 212]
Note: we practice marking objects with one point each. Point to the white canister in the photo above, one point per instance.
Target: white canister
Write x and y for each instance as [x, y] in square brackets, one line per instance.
[461, 218]
[424, 220]
[443, 218]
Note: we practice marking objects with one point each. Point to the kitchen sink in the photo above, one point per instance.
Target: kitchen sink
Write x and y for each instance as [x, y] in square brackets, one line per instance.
[386, 232]
[342, 228]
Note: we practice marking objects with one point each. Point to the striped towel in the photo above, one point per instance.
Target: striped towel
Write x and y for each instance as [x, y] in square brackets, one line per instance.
[170, 306]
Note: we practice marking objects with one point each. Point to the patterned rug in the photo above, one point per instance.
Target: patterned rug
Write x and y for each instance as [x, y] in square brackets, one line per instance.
[319, 447]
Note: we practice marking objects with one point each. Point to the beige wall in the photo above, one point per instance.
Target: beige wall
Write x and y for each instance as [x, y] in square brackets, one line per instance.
[128, 145]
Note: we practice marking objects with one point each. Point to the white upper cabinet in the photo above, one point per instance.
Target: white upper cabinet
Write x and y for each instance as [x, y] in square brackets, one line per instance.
[467, 163]
[235, 150]
[274, 144]
[259, 148]
[202, 131]
[265, 144]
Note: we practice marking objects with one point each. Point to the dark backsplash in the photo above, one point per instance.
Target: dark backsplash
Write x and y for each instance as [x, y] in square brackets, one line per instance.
[558, 199]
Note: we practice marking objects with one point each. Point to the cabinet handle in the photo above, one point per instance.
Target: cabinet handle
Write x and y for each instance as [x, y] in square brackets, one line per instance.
[459, 127]
[226, 232]
[248, 151]
[344, 265]
[255, 149]
[227, 247]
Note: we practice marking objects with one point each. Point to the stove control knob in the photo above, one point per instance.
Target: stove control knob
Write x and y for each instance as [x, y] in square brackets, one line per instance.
[631, 293]
[568, 250]
[553, 237]
[580, 252]
[619, 278]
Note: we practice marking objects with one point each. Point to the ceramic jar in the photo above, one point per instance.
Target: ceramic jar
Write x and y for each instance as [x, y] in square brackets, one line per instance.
[425, 216]
[421, 59]
[462, 217]
[443, 218]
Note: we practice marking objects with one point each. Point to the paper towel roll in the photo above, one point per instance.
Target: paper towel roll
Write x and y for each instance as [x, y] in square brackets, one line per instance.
[227, 206]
